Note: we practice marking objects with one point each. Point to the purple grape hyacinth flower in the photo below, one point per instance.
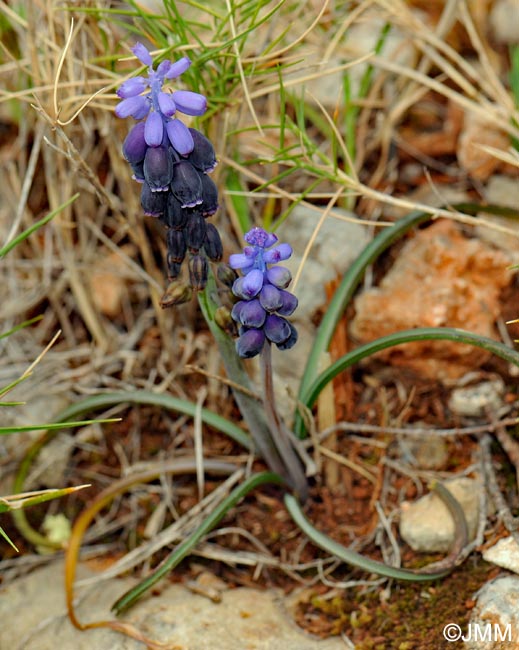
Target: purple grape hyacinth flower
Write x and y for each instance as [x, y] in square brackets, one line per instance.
[157, 106]
[172, 161]
[264, 301]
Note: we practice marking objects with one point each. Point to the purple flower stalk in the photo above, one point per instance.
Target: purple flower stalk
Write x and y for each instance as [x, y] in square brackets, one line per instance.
[264, 301]
[172, 161]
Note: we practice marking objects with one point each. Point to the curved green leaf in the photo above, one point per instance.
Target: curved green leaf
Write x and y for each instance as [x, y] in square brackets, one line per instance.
[352, 279]
[183, 549]
[407, 336]
[431, 572]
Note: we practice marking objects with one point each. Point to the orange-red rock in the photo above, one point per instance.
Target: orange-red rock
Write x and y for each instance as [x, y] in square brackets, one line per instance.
[440, 279]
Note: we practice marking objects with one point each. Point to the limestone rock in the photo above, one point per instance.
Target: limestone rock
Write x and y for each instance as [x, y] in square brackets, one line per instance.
[475, 401]
[427, 526]
[497, 606]
[504, 20]
[504, 553]
[32, 610]
[502, 190]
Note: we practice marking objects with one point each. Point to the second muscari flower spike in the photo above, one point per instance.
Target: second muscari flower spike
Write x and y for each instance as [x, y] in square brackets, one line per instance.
[264, 301]
[172, 161]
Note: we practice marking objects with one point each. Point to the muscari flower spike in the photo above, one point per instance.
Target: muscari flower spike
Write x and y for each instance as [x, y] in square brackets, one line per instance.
[172, 161]
[264, 301]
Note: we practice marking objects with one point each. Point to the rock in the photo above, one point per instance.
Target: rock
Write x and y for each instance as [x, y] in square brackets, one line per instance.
[504, 21]
[40, 407]
[361, 41]
[427, 526]
[475, 401]
[502, 190]
[51, 465]
[495, 615]
[504, 553]
[440, 279]
[336, 246]
[108, 283]
[33, 614]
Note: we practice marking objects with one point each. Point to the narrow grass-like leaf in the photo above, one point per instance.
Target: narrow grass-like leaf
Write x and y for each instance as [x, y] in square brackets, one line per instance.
[28, 499]
[352, 108]
[5, 389]
[7, 539]
[38, 224]
[55, 426]
[432, 572]
[21, 326]
[183, 549]
[106, 400]
[455, 335]
[351, 280]
[344, 294]
[167, 402]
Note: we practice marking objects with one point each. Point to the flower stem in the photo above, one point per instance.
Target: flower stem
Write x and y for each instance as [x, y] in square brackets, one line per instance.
[280, 435]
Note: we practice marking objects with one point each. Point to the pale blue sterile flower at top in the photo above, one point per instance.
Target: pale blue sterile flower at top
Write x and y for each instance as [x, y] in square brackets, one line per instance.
[157, 106]
[264, 301]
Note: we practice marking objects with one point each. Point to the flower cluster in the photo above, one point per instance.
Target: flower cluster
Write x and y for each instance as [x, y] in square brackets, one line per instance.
[172, 162]
[264, 301]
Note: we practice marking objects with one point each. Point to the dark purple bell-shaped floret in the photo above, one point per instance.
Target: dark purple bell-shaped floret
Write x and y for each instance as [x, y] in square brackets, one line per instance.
[250, 343]
[290, 341]
[134, 145]
[209, 195]
[277, 328]
[198, 272]
[153, 203]
[158, 168]
[288, 303]
[202, 155]
[175, 216]
[252, 313]
[213, 244]
[177, 246]
[196, 231]
[270, 297]
[186, 184]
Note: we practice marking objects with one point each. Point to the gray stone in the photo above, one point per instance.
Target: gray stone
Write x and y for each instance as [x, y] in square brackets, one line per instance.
[504, 553]
[504, 20]
[33, 615]
[336, 246]
[427, 526]
[475, 401]
[494, 624]
[502, 190]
